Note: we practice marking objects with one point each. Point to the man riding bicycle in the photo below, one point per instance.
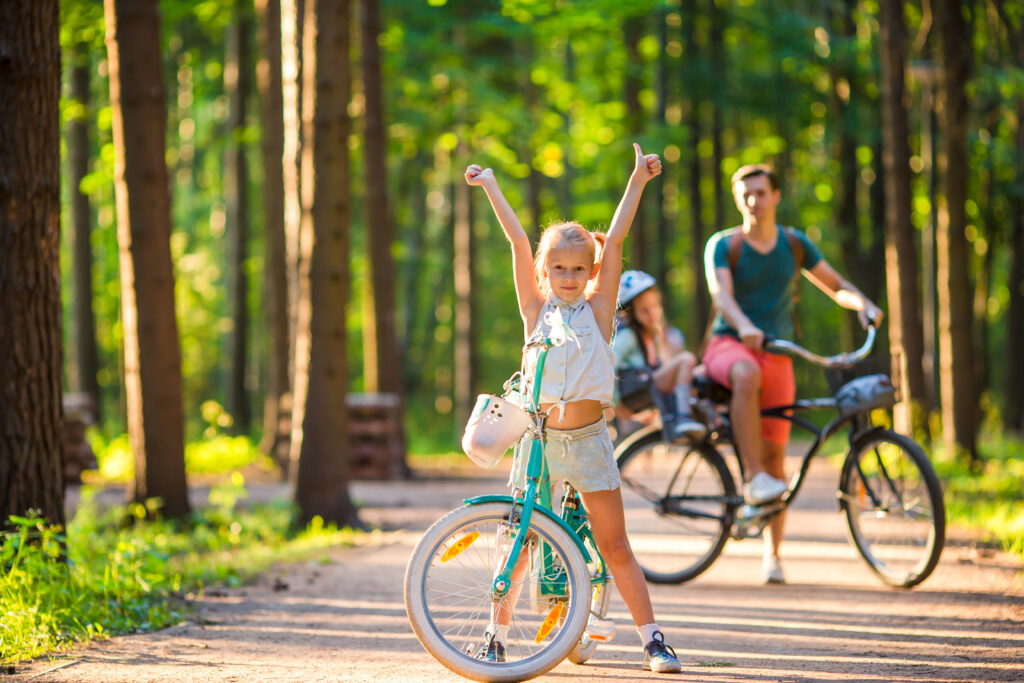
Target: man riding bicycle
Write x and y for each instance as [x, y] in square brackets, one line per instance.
[752, 273]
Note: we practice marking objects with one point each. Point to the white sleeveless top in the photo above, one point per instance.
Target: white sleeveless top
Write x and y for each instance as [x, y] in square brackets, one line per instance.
[579, 369]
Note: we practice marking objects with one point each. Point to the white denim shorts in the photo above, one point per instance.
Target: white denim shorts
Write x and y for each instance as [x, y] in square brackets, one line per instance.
[584, 457]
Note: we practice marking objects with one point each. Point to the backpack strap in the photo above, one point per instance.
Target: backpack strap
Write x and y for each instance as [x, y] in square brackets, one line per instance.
[797, 247]
[736, 249]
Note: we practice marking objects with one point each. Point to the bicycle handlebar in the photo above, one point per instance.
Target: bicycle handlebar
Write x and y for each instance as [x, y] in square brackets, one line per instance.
[839, 360]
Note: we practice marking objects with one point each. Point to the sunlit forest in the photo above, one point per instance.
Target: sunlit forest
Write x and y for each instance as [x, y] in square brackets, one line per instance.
[312, 237]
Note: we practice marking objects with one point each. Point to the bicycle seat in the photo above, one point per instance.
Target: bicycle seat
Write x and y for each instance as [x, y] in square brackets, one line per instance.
[711, 390]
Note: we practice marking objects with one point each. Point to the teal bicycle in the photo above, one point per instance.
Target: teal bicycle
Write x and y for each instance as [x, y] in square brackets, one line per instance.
[481, 559]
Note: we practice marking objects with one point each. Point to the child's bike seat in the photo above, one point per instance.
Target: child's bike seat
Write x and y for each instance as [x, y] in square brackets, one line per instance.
[711, 390]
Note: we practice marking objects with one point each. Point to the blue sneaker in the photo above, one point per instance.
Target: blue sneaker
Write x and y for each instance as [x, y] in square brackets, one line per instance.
[659, 657]
[491, 651]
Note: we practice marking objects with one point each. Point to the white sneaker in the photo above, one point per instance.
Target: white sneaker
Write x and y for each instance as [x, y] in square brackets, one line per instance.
[763, 488]
[771, 571]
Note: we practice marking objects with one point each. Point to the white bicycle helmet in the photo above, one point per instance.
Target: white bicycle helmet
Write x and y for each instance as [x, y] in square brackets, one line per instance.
[632, 283]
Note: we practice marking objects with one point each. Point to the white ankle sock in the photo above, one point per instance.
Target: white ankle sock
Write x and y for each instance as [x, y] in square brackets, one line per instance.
[647, 632]
[500, 631]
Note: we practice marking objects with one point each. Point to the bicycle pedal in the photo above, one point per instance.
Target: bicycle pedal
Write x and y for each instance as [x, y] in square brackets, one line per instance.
[600, 629]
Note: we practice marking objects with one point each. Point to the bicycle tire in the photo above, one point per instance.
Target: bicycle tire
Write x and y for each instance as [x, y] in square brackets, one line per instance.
[680, 502]
[449, 601]
[893, 504]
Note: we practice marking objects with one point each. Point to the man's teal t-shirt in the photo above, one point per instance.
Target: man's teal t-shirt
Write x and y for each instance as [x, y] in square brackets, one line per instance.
[762, 283]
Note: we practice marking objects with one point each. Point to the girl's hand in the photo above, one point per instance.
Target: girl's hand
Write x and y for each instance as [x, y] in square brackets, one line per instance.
[476, 175]
[647, 165]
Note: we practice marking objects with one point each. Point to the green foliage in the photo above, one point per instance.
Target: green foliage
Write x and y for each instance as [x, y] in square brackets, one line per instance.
[538, 86]
[990, 499]
[115, 571]
[216, 454]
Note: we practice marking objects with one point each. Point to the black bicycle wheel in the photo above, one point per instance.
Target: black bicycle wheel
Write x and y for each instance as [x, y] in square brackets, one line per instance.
[893, 505]
[680, 501]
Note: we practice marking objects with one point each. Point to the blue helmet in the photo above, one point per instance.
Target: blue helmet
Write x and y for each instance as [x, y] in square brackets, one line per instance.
[633, 282]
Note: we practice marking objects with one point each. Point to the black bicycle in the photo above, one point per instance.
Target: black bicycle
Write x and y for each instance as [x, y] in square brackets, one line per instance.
[683, 503]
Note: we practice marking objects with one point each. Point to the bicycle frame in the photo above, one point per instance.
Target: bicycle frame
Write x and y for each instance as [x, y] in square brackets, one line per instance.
[536, 497]
[789, 413]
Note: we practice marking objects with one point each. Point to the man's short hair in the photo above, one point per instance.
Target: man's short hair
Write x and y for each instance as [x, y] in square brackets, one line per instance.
[750, 170]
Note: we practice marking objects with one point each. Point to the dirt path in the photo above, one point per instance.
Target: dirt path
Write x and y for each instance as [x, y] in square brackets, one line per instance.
[342, 618]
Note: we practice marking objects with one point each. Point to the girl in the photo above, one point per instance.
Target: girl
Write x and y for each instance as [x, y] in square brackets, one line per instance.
[567, 280]
[646, 342]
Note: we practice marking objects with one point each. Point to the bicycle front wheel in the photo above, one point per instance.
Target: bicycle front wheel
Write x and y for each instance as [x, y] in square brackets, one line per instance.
[893, 505]
[450, 599]
[680, 501]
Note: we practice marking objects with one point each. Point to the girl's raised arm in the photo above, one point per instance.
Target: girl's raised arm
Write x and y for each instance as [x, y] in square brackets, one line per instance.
[527, 291]
[602, 301]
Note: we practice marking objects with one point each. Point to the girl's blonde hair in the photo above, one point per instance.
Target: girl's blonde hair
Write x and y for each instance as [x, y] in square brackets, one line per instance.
[568, 232]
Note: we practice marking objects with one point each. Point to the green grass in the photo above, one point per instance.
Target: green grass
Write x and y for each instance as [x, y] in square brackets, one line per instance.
[125, 573]
[991, 500]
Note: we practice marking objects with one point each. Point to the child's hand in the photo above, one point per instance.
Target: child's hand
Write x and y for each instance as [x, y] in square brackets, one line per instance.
[647, 165]
[476, 175]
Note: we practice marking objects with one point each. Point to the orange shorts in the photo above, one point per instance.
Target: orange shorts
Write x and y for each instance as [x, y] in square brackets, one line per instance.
[778, 388]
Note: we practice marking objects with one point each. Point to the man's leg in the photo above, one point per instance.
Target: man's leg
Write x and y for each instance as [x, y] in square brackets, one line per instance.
[745, 412]
[774, 464]
[779, 389]
[731, 363]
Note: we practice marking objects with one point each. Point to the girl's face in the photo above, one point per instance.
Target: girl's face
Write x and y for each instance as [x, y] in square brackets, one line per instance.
[568, 268]
[647, 309]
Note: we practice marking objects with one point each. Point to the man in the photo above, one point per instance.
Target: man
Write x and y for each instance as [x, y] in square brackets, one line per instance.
[751, 271]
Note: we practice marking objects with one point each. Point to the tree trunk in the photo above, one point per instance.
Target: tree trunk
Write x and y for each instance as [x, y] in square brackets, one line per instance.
[465, 313]
[320, 434]
[1013, 412]
[959, 412]
[844, 121]
[151, 348]
[905, 331]
[641, 250]
[237, 86]
[388, 370]
[292, 12]
[85, 362]
[693, 87]
[718, 75]
[277, 401]
[31, 437]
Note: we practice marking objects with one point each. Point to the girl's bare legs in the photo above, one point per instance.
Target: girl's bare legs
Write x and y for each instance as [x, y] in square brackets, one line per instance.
[608, 522]
[677, 371]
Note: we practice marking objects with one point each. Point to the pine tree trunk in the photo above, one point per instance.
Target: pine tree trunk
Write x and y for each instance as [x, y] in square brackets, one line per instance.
[237, 85]
[320, 434]
[717, 58]
[959, 412]
[379, 220]
[85, 363]
[277, 401]
[905, 331]
[292, 12]
[462, 267]
[693, 89]
[31, 437]
[151, 348]
[641, 249]
[1013, 412]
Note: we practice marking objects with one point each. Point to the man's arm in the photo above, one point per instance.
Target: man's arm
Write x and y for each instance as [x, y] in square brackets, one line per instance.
[843, 292]
[720, 287]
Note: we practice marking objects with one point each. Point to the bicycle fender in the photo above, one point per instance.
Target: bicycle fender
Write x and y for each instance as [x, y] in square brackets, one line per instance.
[500, 498]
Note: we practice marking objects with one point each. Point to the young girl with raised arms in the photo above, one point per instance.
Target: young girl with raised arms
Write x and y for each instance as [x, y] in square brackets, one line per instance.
[574, 278]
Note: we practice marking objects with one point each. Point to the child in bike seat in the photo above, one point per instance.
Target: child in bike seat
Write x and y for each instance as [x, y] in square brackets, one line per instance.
[645, 342]
[574, 282]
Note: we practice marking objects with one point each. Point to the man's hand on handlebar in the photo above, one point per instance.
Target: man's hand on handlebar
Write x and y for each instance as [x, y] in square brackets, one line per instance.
[751, 336]
[870, 315]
